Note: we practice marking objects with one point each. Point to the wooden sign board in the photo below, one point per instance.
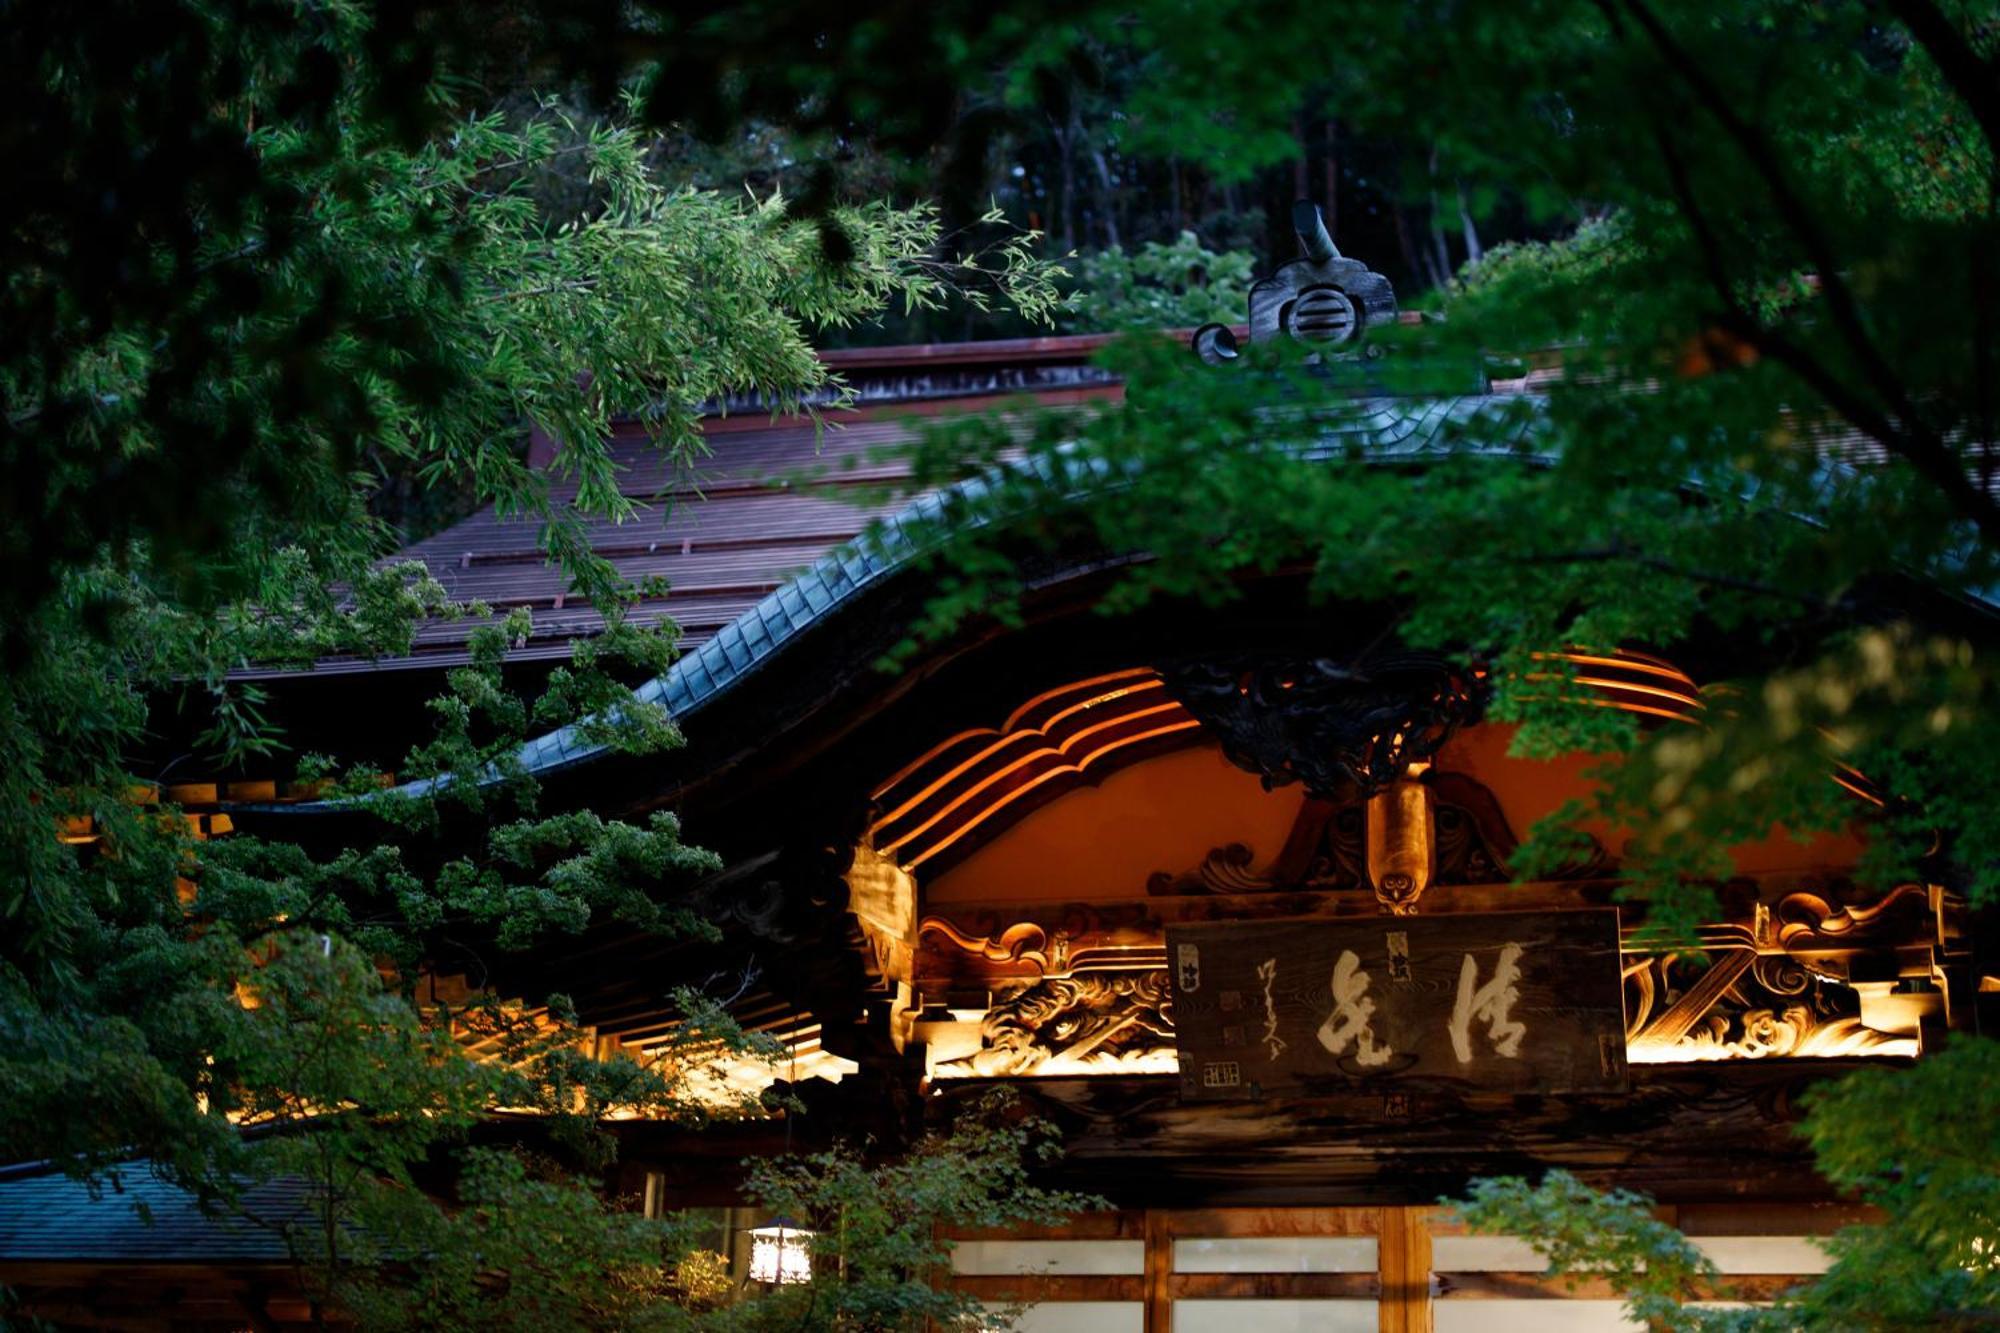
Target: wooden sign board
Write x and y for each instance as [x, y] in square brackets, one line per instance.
[1502, 1001]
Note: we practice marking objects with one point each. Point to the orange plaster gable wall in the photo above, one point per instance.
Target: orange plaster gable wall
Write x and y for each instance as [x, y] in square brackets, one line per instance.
[1106, 841]
[1528, 789]
[1168, 813]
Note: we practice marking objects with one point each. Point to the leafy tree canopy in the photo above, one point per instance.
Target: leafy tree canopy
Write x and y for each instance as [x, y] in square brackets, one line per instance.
[262, 255]
[1161, 286]
[1921, 1144]
[1762, 430]
[265, 260]
[1763, 439]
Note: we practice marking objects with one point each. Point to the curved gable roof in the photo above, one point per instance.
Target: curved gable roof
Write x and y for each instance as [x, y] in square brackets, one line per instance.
[1384, 430]
[1380, 430]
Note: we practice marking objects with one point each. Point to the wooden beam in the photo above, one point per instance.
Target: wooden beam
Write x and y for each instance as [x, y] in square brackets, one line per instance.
[1159, 1274]
[1160, 1284]
[1682, 1134]
[1538, 1286]
[1034, 1288]
[1108, 1225]
[1265, 1221]
[1273, 1286]
[1773, 1219]
[1403, 1256]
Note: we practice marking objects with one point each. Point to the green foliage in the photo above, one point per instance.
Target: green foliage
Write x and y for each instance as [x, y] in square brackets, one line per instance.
[330, 274]
[265, 264]
[1921, 1143]
[1613, 1235]
[1501, 553]
[1924, 1145]
[671, 297]
[1765, 371]
[1766, 408]
[262, 262]
[277, 1000]
[877, 1251]
[490, 1264]
[1160, 286]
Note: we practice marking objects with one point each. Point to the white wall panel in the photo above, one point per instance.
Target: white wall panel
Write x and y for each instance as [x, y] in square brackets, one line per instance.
[1083, 1317]
[1059, 1257]
[1275, 1316]
[1484, 1254]
[1764, 1254]
[1548, 1316]
[1275, 1254]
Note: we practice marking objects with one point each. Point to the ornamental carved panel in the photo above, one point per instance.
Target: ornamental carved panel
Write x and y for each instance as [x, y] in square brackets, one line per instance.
[1089, 990]
[1344, 730]
[1743, 1005]
[1327, 849]
[1093, 1023]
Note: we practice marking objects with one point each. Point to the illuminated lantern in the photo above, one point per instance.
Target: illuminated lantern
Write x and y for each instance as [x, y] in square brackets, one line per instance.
[780, 1252]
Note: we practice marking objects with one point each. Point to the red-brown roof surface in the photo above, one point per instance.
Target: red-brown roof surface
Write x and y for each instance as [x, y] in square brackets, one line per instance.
[773, 496]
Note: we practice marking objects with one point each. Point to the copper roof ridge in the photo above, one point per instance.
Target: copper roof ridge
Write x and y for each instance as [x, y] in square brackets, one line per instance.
[1038, 347]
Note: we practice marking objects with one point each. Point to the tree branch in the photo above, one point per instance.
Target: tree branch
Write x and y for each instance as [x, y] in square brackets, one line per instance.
[1975, 78]
[1839, 297]
[253, 246]
[1738, 318]
[1619, 552]
[1924, 451]
[1905, 435]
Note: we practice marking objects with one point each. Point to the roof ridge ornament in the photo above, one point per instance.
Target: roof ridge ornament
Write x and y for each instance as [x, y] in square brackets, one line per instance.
[1347, 729]
[1322, 299]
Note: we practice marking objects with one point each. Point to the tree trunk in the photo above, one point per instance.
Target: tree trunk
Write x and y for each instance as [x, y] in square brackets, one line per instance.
[1440, 253]
[1106, 204]
[1331, 204]
[1066, 177]
[1474, 251]
[1300, 189]
[1406, 241]
[1280, 188]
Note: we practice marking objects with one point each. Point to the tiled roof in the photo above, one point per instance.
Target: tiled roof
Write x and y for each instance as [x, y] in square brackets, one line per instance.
[723, 539]
[754, 559]
[743, 637]
[738, 525]
[51, 1218]
[1386, 430]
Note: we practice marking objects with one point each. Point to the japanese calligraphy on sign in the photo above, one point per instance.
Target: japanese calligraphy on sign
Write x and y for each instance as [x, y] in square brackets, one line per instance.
[1512, 1001]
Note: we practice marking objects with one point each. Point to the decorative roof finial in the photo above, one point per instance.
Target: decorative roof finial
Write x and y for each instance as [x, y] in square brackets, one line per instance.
[1322, 298]
[1315, 243]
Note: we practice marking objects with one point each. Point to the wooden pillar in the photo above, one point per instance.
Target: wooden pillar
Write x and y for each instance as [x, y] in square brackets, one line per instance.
[1159, 1269]
[1403, 1251]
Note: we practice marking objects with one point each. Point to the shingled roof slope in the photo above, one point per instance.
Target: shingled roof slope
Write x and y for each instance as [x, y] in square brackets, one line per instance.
[759, 542]
[722, 538]
[52, 1218]
[1384, 430]
[738, 525]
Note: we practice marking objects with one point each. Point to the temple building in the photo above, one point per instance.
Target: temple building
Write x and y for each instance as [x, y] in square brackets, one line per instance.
[1225, 895]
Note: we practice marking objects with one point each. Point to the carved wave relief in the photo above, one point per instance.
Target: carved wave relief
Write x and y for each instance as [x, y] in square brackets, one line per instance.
[1743, 1006]
[1758, 1034]
[1094, 1006]
[1738, 1007]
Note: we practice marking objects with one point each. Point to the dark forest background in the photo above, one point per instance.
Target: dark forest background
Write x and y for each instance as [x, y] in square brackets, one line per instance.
[1077, 171]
